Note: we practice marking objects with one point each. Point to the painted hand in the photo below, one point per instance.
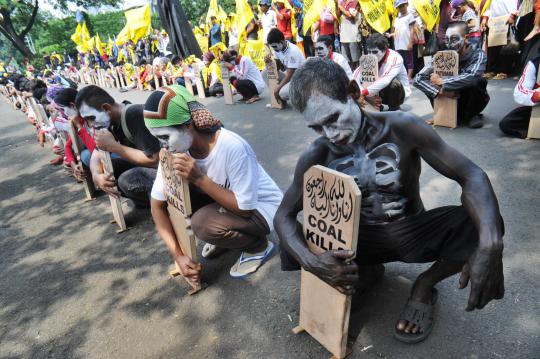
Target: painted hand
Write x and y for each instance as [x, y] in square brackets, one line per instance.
[186, 167]
[105, 141]
[436, 79]
[335, 268]
[485, 272]
[188, 269]
[106, 182]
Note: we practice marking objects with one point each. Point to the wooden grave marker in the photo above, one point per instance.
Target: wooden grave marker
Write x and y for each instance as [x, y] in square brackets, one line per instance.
[227, 91]
[116, 203]
[273, 81]
[445, 64]
[179, 208]
[88, 183]
[189, 85]
[199, 84]
[534, 122]
[369, 67]
[331, 220]
[498, 31]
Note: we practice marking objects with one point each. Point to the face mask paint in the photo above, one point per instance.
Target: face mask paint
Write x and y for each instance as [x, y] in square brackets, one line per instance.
[454, 39]
[321, 50]
[175, 139]
[377, 52]
[95, 118]
[338, 122]
[278, 47]
[70, 112]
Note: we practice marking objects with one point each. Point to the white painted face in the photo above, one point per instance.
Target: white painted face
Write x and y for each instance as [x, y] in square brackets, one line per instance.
[339, 122]
[321, 50]
[95, 118]
[69, 111]
[377, 52]
[176, 139]
[277, 47]
[454, 38]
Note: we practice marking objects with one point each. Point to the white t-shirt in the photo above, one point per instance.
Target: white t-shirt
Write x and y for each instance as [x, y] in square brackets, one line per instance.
[292, 58]
[348, 30]
[247, 70]
[232, 164]
[342, 61]
[268, 22]
[501, 7]
[402, 35]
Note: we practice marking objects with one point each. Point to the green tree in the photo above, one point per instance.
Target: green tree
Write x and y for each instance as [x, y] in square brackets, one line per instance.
[17, 17]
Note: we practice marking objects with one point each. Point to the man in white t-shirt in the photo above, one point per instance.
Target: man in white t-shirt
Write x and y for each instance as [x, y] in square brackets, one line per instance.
[233, 199]
[392, 85]
[245, 76]
[324, 48]
[348, 11]
[289, 58]
[268, 20]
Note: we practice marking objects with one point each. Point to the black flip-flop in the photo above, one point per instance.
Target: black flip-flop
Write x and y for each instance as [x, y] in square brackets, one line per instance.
[421, 314]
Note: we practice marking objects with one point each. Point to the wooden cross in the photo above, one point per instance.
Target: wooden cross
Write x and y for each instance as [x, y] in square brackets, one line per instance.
[331, 219]
[445, 64]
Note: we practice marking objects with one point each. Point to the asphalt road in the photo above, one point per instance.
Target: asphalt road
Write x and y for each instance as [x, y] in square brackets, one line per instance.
[71, 287]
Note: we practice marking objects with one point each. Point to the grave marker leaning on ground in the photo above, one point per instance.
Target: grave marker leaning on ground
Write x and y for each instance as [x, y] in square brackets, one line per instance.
[445, 64]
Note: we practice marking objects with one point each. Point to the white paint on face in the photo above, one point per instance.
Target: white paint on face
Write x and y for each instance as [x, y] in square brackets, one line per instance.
[377, 52]
[338, 122]
[278, 47]
[175, 139]
[95, 118]
[69, 111]
[321, 50]
[454, 38]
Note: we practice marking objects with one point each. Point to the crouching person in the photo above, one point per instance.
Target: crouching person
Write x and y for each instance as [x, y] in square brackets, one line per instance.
[233, 199]
[119, 128]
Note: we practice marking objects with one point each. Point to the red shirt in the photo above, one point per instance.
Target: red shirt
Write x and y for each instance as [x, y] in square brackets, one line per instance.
[285, 25]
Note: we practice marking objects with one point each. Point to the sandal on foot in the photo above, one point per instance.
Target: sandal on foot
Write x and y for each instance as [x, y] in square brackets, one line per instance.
[211, 250]
[420, 314]
[500, 76]
[250, 262]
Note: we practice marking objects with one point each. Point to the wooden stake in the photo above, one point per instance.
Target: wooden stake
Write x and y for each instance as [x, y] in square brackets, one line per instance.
[116, 204]
[89, 188]
[227, 91]
[331, 221]
[445, 64]
[370, 73]
[273, 81]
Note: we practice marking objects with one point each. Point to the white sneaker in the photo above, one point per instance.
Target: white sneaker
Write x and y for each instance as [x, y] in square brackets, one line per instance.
[248, 263]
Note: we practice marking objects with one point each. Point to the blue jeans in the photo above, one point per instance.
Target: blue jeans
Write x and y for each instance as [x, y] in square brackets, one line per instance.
[86, 155]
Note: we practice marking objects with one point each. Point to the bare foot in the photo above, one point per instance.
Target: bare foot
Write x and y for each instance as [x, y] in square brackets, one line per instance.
[421, 292]
[253, 99]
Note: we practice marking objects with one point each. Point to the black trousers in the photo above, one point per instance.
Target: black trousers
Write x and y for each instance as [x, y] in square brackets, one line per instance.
[134, 182]
[246, 88]
[215, 89]
[497, 62]
[446, 233]
[393, 95]
[516, 123]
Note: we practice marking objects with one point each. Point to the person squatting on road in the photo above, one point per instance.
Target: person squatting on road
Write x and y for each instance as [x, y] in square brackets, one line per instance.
[468, 86]
[383, 153]
[392, 85]
[526, 94]
[119, 128]
[244, 76]
[233, 199]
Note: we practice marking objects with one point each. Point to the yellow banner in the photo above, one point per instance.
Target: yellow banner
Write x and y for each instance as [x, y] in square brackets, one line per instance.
[244, 15]
[429, 11]
[138, 24]
[376, 14]
[482, 6]
[254, 49]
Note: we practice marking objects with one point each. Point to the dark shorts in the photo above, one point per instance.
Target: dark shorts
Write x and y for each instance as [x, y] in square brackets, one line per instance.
[441, 233]
[408, 60]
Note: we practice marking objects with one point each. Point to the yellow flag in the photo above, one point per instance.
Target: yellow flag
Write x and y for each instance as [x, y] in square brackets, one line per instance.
[215, 10]
[312, 11]
[138, 22]
[429, 11]
[254, 49]
[244, 15]
[76, 37]
[376, 14]
[482, 6]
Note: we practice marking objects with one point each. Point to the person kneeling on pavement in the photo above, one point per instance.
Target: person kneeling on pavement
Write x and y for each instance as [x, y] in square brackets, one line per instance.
[392, 85]
[119, 128]
[526, 94]
[468, 86]
[245, 76]
[233, 199]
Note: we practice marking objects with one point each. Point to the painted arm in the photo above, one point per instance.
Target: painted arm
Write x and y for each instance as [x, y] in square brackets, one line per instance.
[331, 266]
[484, 268]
